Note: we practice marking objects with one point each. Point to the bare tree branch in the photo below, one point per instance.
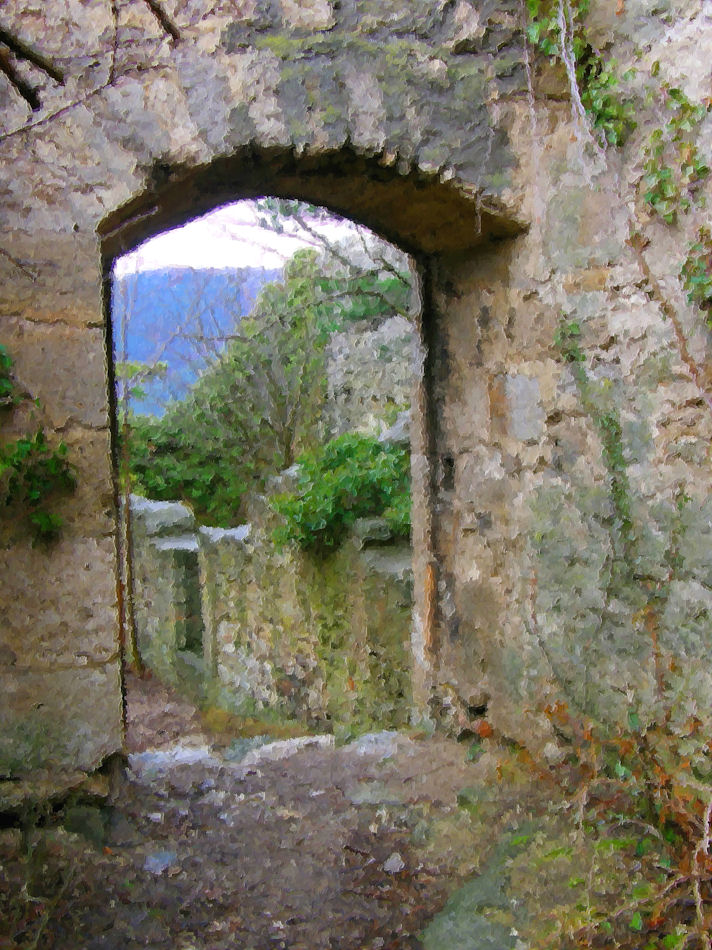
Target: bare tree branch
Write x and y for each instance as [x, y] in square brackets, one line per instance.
[20, 85]
[165, 21]
[23, 268]
[25, 52]
[115, 40]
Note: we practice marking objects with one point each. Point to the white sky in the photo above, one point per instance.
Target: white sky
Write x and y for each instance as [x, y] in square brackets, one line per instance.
[227, 237]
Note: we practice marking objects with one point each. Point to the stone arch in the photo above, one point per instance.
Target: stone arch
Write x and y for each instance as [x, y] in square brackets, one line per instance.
[431, 220]
[398, 115]
[414, 210]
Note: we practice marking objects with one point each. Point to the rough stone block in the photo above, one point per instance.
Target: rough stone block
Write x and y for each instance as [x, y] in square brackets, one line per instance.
[526, 415]
[69, 719]
[52, 277]
[309, 14]
[481, 480]
[64, 367]
[161, 517]
[90, 509]
[58, 605]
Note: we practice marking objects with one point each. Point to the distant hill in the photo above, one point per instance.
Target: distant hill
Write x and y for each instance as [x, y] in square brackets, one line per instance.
[175, 315]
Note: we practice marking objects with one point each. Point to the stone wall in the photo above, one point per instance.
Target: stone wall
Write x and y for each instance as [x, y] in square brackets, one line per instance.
[434, 124]
[167, 601]
[524, 509]
[322, 640]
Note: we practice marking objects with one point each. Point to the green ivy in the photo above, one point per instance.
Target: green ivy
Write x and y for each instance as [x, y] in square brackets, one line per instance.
[674, 169]
[352, 476]
[606, 419]
[543, 26]
[567, 341]
[696, 273]
[612, 115]
[32, 472]
[8, 394]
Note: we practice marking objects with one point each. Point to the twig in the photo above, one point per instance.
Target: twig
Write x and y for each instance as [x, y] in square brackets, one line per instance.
[50, 908]
[637, 242]
[564, 21]
[115, 40]
[701, 851]
[23, 51]
[638, 823]
[165, 21]
[30, 274]
[636, 904]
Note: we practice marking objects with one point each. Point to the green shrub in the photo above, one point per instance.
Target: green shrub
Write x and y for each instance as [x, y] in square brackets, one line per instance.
[353, 476]
[33, 473]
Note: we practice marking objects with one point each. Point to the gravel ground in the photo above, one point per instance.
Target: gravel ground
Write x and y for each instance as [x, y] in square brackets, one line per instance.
[211, 843]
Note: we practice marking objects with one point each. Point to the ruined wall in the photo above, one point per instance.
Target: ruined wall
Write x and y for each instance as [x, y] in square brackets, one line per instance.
[166, 591]
[363, 108]
[322, 640]
[432, 123]
[526, 523]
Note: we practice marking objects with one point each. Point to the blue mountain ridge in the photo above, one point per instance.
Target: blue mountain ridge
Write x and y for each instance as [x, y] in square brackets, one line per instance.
[178, 315]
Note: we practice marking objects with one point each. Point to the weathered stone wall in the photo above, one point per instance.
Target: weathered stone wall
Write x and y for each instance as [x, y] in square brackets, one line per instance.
[166, 591]
[418, 119]
[325, 640]
[527, 609]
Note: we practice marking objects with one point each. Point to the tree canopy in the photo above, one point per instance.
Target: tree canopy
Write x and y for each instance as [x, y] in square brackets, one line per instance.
[260, 404]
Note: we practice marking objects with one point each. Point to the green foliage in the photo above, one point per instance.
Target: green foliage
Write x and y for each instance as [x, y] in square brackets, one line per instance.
[567, 340]
[696, 273]
[351, 477]
[260, 404]
[32, 472]
[644, 810]
[133, 374]
[193, 460]
[365, 297]
[611, 114]
[8, 393]
[674, 168]
[250, 412]
[606, 418]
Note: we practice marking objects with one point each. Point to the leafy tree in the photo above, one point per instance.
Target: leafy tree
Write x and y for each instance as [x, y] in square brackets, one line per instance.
[252, 411]
[259, 402]
[367, 280]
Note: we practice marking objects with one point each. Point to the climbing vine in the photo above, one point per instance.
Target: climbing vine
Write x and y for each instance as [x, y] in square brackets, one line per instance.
[33, 473]
[556, 28]
[696, 273]
[606, 419]
[674, 169]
